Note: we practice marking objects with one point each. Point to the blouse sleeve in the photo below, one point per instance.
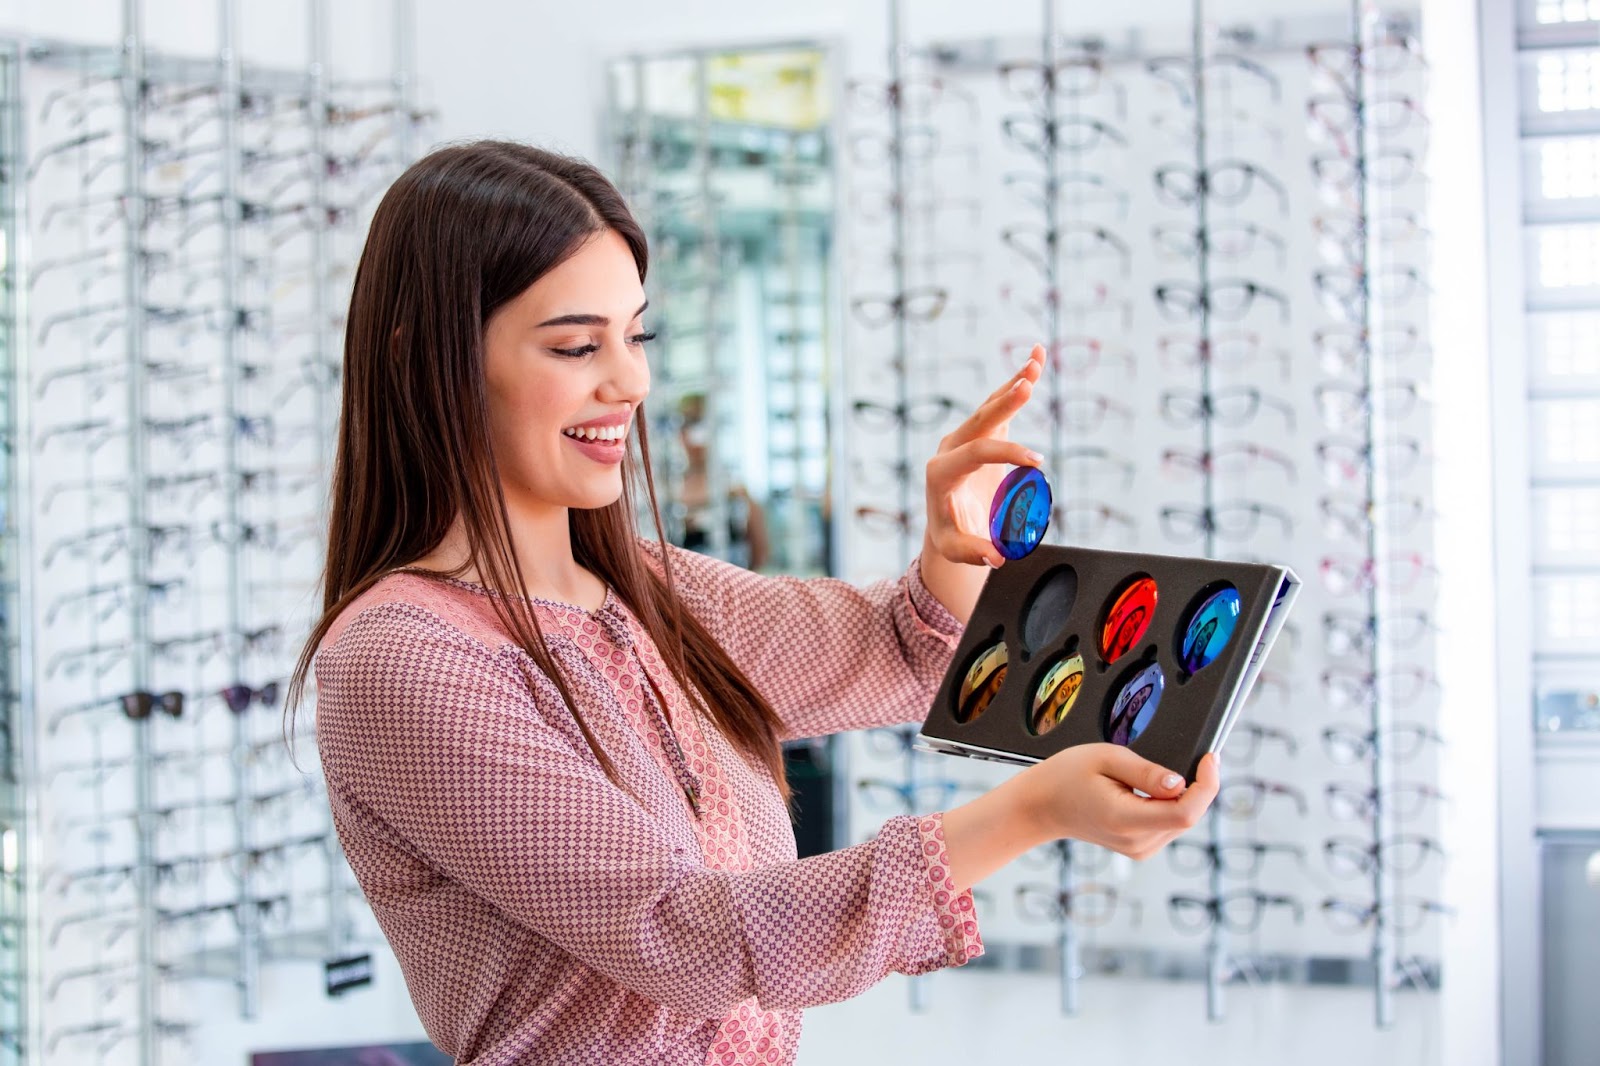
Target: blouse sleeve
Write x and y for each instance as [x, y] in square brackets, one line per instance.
[433, 740]
[830, 656]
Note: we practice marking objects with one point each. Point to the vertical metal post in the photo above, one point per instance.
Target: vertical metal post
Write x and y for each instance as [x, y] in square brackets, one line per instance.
[22, 845]
[793, 247]
[1052, 222]
[1067, 939]
[714, 402]
[1385, 946]
[133, 92]
[897, 241]
[317, 101]
[902, 351]
[247, 917]
[1217, 958]
[831, 325]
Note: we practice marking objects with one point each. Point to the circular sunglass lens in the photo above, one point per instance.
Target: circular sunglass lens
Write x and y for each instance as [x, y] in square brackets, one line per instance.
[1057, 692]
[1209, 629]
[1020, 513]
[1049, 608]
[982, 681]
[1136, 705]
[1128, 619]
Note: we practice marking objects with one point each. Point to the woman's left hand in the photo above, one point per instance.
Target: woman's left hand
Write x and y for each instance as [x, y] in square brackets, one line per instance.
[969, 466]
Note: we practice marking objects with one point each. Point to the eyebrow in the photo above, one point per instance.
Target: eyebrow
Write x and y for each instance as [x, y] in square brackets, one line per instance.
[587, 320]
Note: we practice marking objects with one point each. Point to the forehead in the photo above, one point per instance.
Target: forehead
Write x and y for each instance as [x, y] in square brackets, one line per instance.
[599, 278]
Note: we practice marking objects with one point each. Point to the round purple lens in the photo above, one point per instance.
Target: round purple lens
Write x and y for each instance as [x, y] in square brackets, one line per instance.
[1020, 513]
[1136, 705]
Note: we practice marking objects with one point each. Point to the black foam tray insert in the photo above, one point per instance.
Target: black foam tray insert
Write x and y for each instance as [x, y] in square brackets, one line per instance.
[1194, 710]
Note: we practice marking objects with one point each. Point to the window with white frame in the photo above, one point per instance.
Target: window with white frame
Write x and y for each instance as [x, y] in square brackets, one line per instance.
[1560, 128]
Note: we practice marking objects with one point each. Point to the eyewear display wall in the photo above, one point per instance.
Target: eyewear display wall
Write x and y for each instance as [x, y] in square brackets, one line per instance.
[172, 362]
[1219, 232]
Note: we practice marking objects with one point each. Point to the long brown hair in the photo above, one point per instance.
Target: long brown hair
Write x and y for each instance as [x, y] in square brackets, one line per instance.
[463, 231]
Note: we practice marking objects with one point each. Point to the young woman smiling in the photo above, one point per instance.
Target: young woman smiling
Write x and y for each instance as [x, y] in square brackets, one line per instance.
[552, 746]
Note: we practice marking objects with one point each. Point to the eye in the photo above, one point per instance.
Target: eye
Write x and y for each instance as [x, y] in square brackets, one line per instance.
[642, 338]
[577, 353]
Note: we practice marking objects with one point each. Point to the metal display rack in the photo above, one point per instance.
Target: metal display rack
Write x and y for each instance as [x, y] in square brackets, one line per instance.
[172, 381]
[904, 130]
[1377, 194]
[1253, 338]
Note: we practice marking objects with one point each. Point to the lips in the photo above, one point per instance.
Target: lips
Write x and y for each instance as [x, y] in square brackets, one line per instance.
[607, 450]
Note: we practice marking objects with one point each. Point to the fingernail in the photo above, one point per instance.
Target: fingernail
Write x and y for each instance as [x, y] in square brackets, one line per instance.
[1017, 384]
[1171, 781]
[1034, 457]
[992, 564]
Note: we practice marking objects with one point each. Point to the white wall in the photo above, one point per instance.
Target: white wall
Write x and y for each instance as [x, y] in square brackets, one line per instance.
[537, 69]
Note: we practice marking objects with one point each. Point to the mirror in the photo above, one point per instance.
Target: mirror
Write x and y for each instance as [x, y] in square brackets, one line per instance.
[727, 159]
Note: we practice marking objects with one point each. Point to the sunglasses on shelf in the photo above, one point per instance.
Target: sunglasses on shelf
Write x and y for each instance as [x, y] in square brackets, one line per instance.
[1400, 572]
[1233, 459]
[1227, 299]
[1237, 912]
[1044, 137]
[1078, 78]
[1350, 857]
[1236, 405]
[1226, 182]
[1243, 858]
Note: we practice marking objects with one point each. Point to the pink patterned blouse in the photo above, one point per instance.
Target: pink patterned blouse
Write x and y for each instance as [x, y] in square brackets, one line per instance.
[540, 913]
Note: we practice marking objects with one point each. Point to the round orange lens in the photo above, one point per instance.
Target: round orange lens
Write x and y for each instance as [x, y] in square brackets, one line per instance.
[1128, 619]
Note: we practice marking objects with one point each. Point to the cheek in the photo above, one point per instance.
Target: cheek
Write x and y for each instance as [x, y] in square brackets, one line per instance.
[526, 416]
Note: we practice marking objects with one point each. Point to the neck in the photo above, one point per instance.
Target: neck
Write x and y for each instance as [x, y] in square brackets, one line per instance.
[541, 540]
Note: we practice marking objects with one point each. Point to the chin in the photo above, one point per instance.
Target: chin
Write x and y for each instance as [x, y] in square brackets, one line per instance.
[597, 497]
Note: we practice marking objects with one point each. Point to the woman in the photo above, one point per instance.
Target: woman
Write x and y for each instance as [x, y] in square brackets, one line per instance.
[552, 748]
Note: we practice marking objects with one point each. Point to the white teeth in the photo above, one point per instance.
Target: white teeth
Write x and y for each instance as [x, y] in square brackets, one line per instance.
[609, 433]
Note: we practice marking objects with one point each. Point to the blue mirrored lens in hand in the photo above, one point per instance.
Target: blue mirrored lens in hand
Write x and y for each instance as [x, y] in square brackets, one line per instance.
[1020, 513]
[1209, 631]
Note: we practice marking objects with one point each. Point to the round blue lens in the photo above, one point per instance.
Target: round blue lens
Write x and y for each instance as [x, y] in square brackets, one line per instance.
[1020, 513]
[1136, 705]
[1210, 629]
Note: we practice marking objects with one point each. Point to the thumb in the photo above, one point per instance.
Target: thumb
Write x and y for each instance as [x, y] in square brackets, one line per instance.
[1135, 771]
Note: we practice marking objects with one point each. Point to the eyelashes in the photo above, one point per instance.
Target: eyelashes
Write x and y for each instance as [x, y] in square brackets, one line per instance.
[590, 349]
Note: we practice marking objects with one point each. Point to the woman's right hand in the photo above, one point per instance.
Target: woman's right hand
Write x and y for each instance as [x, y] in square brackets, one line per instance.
[1086, 793]
[1081, 793]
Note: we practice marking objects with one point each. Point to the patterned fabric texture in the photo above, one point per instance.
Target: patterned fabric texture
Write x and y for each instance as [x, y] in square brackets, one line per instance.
[540, 913]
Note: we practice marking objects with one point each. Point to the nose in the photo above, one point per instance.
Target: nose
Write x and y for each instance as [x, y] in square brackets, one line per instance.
[627, 377]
